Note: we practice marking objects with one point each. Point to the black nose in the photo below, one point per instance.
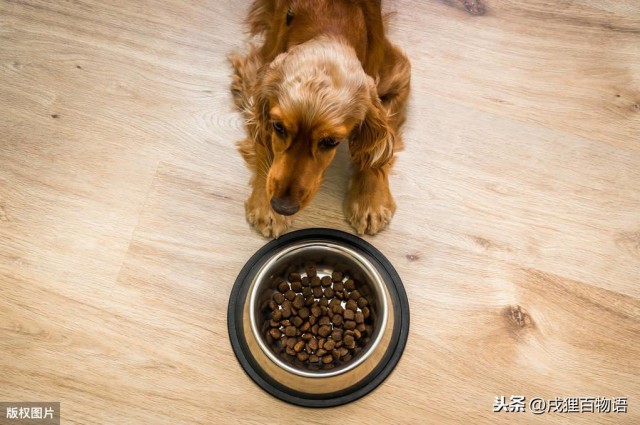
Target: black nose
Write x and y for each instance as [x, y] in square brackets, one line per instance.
[284, 206]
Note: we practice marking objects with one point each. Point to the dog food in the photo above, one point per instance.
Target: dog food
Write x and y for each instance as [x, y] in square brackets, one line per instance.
[318, 322]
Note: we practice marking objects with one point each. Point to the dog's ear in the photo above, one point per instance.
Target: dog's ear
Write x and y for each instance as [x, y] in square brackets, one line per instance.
[265, 88]
[371, 143]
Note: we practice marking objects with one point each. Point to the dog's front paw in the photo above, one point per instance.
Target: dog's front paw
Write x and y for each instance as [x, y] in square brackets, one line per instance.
[370, 213]
[265, 220]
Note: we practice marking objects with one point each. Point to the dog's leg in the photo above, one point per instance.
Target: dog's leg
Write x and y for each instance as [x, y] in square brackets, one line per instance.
[257, 207]
[369, 204]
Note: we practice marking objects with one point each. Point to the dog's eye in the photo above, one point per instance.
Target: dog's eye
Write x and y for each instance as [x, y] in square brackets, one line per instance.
[279, 128]
[328, 143]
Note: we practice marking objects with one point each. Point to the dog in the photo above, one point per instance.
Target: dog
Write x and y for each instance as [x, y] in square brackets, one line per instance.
[324, 74]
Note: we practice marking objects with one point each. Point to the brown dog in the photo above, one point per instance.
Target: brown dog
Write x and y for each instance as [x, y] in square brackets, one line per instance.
[325, 74]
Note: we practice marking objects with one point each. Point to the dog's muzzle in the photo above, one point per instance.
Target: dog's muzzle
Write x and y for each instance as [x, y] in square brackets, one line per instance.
[284, 206]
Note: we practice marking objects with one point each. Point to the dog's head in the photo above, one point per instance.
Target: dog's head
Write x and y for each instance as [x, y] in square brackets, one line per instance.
[306, 102]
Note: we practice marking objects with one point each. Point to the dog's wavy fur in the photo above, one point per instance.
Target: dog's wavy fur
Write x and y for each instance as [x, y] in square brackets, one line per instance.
[324, 72]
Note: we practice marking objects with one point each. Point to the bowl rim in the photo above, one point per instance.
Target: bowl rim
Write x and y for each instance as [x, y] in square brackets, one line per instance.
[238, 298]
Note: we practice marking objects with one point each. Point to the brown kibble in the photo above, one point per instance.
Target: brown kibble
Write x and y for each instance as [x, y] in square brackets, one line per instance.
[277, 315]
[286, 312]
[311, 271]
[278, 297]
[349, 315]
[366, 312]
[324, 331]
[349, 341]
[290, 331]
[313, 344]
[352, 305]
[283, 286]
[336, 335]
[275, 333]
[298, 302]
[294, 277]
[303, 313]
[316, 311]
[316, 322]
[329, 345]
[349, 285]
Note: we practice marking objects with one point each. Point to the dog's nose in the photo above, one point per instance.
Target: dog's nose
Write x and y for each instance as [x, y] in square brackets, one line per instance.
[284, 206]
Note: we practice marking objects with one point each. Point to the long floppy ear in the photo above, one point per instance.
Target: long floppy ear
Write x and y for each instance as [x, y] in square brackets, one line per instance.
[371, 144]
[265, 88]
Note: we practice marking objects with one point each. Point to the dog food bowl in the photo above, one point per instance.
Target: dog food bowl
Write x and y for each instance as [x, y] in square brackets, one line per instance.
[329, 250]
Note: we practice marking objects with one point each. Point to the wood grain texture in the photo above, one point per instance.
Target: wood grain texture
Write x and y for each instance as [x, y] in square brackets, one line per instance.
[122, 225]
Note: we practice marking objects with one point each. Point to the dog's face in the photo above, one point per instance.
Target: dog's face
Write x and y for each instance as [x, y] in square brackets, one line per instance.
[309, 101]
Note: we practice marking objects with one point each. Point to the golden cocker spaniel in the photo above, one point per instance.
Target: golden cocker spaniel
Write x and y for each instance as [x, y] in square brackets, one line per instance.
[324, 74]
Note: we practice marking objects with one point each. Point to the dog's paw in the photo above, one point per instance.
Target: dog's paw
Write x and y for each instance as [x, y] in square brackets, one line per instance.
[368, 214]
[265, 220]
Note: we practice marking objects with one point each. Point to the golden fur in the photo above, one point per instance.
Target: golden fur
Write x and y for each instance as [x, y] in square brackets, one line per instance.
[324, 74]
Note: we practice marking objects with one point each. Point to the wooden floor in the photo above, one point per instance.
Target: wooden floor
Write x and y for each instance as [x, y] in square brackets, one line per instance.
[122, 225]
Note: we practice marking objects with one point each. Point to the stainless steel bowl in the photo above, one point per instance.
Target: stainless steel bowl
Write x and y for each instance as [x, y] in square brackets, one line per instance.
[329, 250]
